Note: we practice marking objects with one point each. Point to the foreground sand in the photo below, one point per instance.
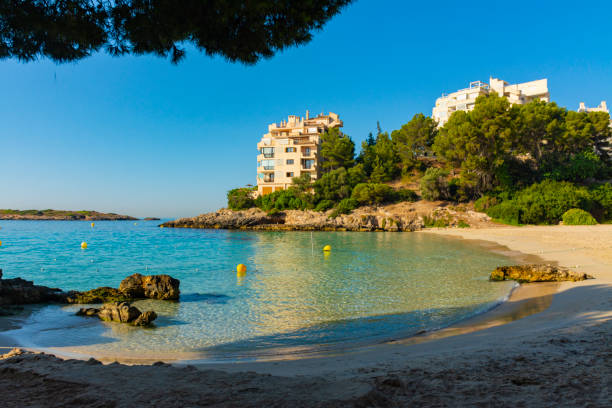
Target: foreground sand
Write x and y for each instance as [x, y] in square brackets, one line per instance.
[561, 356]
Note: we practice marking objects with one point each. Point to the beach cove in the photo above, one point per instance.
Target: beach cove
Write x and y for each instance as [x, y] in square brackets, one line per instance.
[571, 337]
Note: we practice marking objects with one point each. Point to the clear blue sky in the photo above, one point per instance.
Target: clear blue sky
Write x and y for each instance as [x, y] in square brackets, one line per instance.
[139, 136]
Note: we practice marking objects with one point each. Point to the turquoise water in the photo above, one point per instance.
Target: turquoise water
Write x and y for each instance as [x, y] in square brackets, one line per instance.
[371, 287]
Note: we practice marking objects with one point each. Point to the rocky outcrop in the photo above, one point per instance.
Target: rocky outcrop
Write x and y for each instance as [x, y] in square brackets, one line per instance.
[121, 312]
[537, 273]
[363, 219]
[136, 286]
[163, 287]
[19, 291]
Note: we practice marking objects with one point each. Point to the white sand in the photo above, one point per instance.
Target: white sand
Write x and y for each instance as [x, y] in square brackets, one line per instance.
[561, 356]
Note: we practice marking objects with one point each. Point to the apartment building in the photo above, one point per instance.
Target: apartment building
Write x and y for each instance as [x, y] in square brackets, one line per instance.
[601, 108]
[465, 99]
[290, 149]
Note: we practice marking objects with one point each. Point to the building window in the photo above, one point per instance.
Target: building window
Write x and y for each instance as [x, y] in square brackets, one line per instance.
[307, 164]
[268, 152]
[289, 161]
[290, 149]
[306, 151]
[290, 174]
[268, 164]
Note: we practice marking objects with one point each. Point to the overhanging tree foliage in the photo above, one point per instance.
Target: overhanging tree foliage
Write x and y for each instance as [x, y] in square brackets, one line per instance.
[243, 31]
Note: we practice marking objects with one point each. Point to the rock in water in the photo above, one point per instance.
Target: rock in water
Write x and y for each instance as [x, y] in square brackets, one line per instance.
[162, 287]
[18, 291]
[537, 273]
[121, 312]
[103, 294]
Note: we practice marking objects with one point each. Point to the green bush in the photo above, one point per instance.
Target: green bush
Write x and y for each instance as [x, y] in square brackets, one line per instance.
[485, 202]
[240, 199]
[507, 212]
[404, 194]
[434, 185]
[576, 216]
[602, 198]
[324, 205]
[373, 193]
[579, 167]
[345, 207]
[546, 202]
[463, 224]
[289, 199]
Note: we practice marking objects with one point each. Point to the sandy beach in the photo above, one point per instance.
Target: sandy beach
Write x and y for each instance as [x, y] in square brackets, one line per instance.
[561, 355]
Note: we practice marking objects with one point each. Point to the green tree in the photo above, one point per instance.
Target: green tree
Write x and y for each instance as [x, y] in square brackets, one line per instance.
[337, 150]
[338, 184]
[479, 141]
[414, 139]
[69, 30]
[385, 159]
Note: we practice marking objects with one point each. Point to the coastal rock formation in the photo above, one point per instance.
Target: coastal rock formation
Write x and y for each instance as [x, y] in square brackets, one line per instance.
[19, 291]
[363, 219]
[537, 273]
[136, 286]
[162, 287]
[121, 312]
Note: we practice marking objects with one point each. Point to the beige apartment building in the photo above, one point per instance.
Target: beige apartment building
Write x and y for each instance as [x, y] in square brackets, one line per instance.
[290, 149]
[465, 99]
[601, 108]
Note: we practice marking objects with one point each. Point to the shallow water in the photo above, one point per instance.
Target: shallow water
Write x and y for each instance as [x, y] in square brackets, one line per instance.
[370, 287]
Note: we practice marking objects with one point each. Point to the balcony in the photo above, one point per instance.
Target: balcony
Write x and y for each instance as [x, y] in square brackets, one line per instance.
[268, 167]
[303, 141]
[269, 178]
[268, 155]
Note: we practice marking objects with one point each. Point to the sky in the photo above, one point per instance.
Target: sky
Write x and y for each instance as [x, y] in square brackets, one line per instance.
[143, 137]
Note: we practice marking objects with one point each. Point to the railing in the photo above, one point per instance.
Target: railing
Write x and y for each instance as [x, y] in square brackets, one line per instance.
[268, 167]
[268, 155]
[268, 179]
[302, 140]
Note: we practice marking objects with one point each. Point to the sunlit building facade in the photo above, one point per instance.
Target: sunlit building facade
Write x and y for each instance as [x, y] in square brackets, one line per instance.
[290, 149]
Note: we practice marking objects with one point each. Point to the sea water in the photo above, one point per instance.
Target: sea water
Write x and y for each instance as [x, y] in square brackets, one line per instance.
[370, 287]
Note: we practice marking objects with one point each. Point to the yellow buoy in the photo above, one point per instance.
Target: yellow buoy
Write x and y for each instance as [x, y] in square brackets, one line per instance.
[241, 270]
[92, 225]
[84, 245]
[327, 248]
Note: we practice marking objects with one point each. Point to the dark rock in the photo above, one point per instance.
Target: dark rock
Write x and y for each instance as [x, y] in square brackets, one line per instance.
[537, 273]
[162, 287]
[121, 312]
[19, 291]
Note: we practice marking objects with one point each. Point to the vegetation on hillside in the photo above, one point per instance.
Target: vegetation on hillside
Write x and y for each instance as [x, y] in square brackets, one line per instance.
[523, 164]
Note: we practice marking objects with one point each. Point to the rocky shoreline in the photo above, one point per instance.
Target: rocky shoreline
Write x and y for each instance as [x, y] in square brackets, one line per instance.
[392, 218]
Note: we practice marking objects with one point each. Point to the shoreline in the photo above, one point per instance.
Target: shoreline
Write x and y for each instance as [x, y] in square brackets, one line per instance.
[521, 301]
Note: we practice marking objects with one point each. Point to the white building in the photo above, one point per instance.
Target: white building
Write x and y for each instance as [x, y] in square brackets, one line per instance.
[465, 99]
[601, 108]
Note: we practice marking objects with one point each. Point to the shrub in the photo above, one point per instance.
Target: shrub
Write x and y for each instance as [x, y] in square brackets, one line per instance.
[602, 198]
[463, 224]
[576, 216]
[507, 212]
[485, 202]
[345, 207]
[274, 211]
[546, 202]
[434, 185]
[240, 199]
[289, 199]
[372, 193]
[324, 205]
[404, 194]
[433, 222]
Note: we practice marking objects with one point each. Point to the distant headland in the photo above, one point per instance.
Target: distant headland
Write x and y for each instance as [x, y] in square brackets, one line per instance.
[62, 215]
